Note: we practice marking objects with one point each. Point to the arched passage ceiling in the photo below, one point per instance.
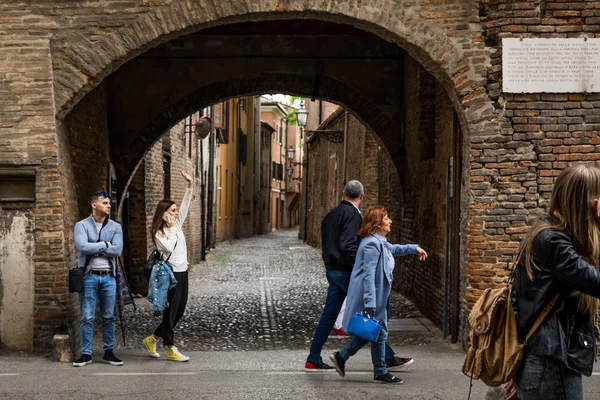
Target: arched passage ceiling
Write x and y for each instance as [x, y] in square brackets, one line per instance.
[304, 57]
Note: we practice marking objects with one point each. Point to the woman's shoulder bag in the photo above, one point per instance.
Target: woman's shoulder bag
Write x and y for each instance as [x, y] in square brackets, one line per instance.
[152, 259]
[495, 352]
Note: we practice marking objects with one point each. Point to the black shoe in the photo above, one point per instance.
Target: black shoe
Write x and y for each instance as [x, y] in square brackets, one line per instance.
[83, 360]
[396, 363]
[110, 358]
[318, 367]
[387, 378]
[339, 363]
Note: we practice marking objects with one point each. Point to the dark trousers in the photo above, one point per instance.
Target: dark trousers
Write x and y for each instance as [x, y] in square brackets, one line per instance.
[545, 378]
[177, 298]
[336, 293]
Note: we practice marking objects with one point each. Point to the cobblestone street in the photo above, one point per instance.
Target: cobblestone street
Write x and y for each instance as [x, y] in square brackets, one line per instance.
[265, 292]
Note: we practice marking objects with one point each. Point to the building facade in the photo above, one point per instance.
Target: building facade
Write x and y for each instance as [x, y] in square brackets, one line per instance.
[275, 115]
[235, 169]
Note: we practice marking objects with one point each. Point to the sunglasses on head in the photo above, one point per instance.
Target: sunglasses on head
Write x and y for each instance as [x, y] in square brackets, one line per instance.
[102, 194]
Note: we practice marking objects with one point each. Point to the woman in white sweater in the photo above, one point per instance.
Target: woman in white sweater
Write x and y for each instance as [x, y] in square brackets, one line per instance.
[169, 239]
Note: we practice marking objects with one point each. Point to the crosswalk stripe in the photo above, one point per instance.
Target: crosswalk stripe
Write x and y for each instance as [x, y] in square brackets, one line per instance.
[332, 373]
[142, 373]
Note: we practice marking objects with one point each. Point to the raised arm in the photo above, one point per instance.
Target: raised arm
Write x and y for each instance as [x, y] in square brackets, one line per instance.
[401, 250]
[187, 199]
[185, 206]
[83, 244]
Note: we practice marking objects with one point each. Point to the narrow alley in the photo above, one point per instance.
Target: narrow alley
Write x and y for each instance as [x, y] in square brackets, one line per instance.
[264, 292]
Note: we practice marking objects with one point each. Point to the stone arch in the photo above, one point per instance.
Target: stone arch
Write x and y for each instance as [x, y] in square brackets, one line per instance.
[79, 66]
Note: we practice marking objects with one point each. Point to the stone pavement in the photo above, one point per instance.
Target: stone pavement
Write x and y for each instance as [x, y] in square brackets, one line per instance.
[274, 374]
[252, 311]
[262, 293]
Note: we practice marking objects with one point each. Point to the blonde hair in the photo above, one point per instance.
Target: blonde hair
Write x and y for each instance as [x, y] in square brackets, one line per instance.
[571, 212]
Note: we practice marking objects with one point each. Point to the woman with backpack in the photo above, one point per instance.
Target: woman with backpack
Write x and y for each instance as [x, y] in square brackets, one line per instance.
[370, 287]
[560, 256]
[169, 239]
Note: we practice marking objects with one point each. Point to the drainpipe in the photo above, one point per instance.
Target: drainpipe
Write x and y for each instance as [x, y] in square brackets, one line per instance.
[305, 180]
[270, 181]
[257, 160]
[320, 112]
[282, 185]
[344, 174]
[211, 182]
[202, 203]
[238, 169]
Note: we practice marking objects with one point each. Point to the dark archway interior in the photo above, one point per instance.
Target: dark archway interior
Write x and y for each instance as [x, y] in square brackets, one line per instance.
[307, 58]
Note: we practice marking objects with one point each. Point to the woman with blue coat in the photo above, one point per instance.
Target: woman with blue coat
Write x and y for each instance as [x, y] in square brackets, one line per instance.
[370, 287]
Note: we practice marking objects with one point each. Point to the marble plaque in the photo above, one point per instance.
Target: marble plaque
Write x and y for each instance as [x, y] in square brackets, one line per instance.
[550, 65]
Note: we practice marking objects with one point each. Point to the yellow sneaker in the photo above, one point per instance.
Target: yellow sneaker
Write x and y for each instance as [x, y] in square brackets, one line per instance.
[174, 355]
[150, 343]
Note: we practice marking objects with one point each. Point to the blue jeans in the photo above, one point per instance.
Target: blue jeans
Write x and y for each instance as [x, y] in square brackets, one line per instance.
[389, 353]
[377, 350]
[105, 288]
[336, 293]
[542, 378]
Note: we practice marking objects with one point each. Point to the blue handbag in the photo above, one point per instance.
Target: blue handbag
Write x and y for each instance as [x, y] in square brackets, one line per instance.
[363, 326]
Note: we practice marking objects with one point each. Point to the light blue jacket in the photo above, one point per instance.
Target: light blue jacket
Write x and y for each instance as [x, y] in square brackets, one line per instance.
[161, 281]
[86, 242]
[369, 284]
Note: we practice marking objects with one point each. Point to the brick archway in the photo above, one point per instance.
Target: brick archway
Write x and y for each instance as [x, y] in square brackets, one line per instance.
[458, 63]
[79, 66]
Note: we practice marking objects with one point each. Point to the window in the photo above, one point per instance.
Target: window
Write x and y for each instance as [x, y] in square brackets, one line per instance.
[189, 130]
[220, 189]
[281, 134]
[241, 146]
[277, 171]
[166, 175]
[221, 115]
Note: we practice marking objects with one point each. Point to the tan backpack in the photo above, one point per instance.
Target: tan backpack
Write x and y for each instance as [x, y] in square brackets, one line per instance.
[495, 352]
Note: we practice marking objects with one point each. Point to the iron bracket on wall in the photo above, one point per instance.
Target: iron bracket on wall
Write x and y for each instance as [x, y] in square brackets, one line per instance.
[332, 136]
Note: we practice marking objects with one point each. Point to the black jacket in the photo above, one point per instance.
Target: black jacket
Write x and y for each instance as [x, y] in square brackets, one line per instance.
[339, 237]
[566, 334]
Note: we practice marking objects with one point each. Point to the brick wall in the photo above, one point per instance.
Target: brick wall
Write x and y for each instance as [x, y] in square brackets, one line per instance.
[137, 245]
[429, 140]
[181, 159]
[416, 203]
[154, 186]
[366, 161]
[83, 137]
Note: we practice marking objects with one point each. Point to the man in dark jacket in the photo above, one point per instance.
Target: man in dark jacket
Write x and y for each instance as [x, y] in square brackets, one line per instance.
[339, 244]
[339, 239]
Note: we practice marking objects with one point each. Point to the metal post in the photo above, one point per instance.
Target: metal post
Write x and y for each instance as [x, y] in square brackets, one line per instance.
[202, 205]
[448, 253]
[211, 183]
[305, 181]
